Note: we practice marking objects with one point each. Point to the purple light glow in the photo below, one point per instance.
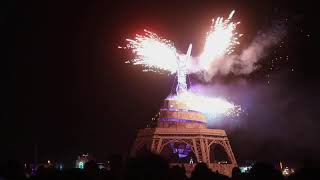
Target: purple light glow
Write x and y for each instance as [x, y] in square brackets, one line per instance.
[182, 150]
[181, 120]
[179, 110]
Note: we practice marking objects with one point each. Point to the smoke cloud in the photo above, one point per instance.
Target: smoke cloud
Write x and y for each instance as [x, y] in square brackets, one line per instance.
[247, 61]
[278, 120]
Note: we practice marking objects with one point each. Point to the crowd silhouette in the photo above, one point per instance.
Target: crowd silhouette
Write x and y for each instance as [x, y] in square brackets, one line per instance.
[148, 167]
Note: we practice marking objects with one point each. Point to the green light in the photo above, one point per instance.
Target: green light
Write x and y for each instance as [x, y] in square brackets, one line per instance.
[81, 165]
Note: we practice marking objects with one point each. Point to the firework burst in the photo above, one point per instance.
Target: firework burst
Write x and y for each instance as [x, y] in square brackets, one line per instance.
[220, 41]
[153, 52]
[208, 105]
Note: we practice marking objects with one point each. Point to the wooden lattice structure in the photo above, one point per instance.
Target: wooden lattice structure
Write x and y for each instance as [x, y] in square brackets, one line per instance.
[177, 125]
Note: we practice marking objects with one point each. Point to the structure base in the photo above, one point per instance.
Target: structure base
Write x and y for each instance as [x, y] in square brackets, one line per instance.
[188, 146]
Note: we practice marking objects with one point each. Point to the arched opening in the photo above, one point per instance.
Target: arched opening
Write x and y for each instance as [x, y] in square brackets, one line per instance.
[218, 154]
[178, 152]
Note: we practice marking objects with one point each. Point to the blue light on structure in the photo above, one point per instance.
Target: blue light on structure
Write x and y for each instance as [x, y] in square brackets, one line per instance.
[178, 110]
[181, 120]
[182, 150]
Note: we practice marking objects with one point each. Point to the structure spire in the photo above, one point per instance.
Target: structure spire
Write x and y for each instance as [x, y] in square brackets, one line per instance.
[182, 71]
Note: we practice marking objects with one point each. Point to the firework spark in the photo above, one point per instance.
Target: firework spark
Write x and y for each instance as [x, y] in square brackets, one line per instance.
[220, 41]
[208, 105]
[153, 52]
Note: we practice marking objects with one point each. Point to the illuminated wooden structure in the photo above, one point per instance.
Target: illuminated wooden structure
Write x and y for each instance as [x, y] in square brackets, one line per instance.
[184, 133]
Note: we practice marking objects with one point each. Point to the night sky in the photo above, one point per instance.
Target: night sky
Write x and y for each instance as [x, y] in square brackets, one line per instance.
[68, 89]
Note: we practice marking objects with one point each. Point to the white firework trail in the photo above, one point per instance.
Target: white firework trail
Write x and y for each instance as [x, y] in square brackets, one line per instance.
[153, 52]
[220, 41]
[208, 105]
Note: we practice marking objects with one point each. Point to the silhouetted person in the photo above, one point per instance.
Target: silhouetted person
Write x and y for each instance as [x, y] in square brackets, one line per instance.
[91, 170]
[310, 173]
[91, 166]
[236, 174]
[265, 171]
[201, 172]
[74, 173]
[46, 173]
[116, 166]
[177, 173]
[147, 166]
[13, 170]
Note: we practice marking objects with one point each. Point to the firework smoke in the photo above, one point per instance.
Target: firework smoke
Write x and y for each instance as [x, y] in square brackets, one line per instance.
[156, 53]
[247, 61]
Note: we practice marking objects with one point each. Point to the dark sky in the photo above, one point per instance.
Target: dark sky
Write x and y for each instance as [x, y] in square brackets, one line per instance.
[68, 90]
